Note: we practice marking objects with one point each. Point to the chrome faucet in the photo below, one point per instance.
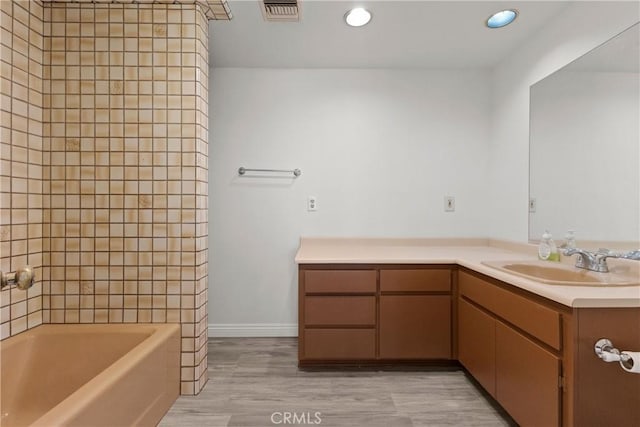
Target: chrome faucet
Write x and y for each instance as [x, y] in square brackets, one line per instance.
[597, 261]
[585, 258]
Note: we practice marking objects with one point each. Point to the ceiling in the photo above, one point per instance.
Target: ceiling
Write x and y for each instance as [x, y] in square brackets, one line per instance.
[621, 54]
[402, 34]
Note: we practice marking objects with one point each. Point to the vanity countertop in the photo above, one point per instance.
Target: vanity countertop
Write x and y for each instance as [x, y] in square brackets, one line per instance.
[469, 253]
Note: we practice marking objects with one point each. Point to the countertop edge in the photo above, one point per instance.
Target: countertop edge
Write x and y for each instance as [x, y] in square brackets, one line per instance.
[555, 293]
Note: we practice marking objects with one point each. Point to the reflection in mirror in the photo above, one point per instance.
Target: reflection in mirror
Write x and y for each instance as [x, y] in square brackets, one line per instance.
[585, 146]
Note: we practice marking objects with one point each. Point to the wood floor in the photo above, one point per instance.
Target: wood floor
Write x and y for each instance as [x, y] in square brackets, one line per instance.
[254, 382]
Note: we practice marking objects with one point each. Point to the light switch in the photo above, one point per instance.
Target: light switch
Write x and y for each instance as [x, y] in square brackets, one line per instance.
[449, 204]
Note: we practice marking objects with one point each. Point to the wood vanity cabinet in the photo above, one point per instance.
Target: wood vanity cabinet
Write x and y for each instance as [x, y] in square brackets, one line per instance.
[512, 346]
[605, 395]
[415, 313]
[338, 314]
[374, 313]
[533, 356]
[536, 357]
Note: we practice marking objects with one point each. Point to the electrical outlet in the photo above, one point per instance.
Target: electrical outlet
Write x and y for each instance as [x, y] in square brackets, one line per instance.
[449, 204]
[312, 204]
[532, 205]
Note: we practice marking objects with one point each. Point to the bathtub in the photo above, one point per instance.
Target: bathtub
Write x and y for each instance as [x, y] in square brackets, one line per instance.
[89, 375]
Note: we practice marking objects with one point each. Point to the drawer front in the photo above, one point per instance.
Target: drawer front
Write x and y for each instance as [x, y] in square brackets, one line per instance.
[340, 281]
[339, 344]
[340, 310]
[533, 318]
[424, 280]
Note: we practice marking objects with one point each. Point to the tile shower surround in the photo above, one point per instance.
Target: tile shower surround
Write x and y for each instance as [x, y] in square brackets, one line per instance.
[212, 9]
[22, 149]
[107, 194]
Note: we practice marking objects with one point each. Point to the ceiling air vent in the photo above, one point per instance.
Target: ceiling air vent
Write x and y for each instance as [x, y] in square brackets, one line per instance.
[280, 10]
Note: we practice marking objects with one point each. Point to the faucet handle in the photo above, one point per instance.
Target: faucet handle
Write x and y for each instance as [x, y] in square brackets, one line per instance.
[603, 254]
[608, 253]
[23, 278]
[585, 259]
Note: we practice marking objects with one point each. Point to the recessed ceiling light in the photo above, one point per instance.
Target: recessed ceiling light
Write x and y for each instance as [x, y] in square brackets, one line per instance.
[502, 18]
[357, 17]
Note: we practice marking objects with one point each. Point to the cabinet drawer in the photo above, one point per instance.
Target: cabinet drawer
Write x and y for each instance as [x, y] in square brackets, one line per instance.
[339, 344]
[533, 318]
[340, 310]
[433, 280]
[340, 281]
[526, 379]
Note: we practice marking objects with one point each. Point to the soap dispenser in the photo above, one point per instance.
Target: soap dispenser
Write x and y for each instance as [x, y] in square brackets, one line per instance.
[555, 254]
[570, 240]
[547, 250]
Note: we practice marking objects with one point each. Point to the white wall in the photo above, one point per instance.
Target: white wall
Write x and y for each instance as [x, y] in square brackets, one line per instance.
[581, 27]
[378, 148]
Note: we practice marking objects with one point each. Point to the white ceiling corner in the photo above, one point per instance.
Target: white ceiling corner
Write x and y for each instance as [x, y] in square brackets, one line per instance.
[402, 34]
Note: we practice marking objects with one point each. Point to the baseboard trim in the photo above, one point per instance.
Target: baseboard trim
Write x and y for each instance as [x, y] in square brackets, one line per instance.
[228, 330]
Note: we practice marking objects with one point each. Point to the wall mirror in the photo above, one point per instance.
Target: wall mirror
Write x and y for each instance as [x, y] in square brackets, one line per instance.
[584, 146]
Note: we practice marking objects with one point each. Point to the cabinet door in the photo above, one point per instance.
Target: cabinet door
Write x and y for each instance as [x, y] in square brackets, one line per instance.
[477, 343]
[527, 379]
[415, 327]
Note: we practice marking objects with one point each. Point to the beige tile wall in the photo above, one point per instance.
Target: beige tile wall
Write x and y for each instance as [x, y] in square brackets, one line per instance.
[21, 159]
[126, 99]
[104, 167]
[202, 206]
[213, 9]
